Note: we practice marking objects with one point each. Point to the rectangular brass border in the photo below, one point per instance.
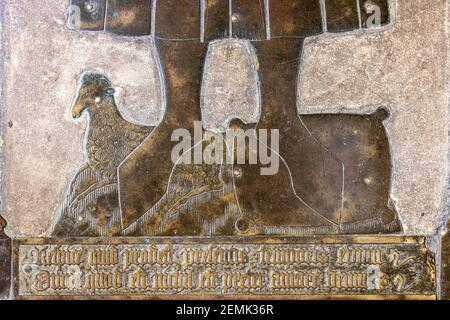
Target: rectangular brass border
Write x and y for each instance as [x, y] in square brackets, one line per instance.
[317, 240]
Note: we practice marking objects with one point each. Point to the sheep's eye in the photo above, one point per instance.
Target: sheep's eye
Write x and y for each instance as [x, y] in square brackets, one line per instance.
[98, 99]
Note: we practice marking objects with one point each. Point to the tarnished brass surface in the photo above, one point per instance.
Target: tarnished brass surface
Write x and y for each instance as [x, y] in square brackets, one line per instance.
[131, 18]
[225, 268]
[342, 15]
[149, 167]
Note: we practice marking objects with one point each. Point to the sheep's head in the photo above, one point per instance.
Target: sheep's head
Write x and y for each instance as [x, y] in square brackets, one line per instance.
[94, 90]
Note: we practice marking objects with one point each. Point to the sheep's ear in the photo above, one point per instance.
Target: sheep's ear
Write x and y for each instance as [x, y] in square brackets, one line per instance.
[110, 91]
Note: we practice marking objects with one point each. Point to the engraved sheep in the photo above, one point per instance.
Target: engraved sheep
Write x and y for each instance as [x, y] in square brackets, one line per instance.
[110, 137]
[91, 207]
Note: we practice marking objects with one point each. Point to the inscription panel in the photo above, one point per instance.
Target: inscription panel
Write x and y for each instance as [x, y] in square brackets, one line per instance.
[150, 268]
[445, 267]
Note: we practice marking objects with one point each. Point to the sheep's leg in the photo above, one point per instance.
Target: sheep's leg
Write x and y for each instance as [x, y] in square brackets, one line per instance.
[308, 190]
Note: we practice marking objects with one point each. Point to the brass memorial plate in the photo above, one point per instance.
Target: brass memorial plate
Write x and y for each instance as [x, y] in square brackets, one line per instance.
[224, 149]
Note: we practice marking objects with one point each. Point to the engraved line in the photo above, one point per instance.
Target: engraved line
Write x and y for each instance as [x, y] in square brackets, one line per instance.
[106, 15]
[230, 14]
[172, 39]
[332, 155]
[153, 23]
[193, 197]
[298, 98]
[92, 188]
[263, 14]
[291, 179]
[295, 192]
[342, 196]
[119, 197]
[358, 9]
[202, 20]
[236, 198]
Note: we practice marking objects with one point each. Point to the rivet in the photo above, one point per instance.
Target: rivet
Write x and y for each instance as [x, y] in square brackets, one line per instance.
[89, 7]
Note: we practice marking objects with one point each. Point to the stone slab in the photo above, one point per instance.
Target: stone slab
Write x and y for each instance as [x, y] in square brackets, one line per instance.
[372, 106]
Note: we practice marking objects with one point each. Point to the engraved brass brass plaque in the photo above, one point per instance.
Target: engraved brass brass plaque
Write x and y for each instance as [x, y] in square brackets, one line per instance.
[332, 172]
